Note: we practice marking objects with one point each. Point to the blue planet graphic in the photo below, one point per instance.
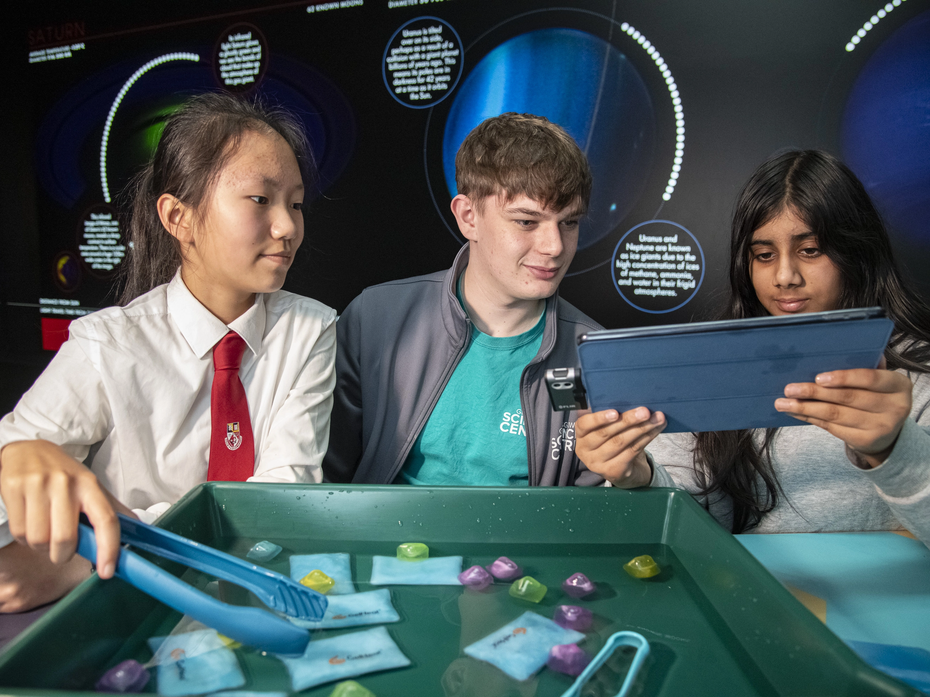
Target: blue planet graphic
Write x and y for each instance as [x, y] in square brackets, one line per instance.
[585, 85]
[886, 129]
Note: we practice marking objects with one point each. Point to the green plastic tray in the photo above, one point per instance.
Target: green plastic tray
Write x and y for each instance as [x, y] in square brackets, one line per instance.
[718, 623]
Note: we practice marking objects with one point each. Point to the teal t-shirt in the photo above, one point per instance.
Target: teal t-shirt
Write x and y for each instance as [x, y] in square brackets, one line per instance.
[476, 435]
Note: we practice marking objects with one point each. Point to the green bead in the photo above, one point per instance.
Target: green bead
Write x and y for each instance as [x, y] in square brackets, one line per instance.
[528, 588]
[318, 581]
[350, 688]
[642, 567]
[412, 551]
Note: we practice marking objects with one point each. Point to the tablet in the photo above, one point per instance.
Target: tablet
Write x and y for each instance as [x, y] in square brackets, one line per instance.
[720, 376]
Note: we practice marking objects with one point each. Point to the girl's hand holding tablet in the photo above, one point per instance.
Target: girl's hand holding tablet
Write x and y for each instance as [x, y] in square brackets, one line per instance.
[865, 409]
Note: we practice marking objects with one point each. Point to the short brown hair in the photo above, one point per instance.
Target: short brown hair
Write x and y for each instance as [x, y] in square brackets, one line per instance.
[522, 154]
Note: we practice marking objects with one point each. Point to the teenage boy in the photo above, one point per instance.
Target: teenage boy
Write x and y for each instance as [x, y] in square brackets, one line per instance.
[441, 378]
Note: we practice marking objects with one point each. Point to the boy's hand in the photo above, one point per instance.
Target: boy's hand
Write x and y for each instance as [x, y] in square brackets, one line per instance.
[45, 490]
[613, 445]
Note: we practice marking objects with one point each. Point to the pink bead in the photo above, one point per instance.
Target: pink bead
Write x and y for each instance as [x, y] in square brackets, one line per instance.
[504, 569]
[475, 577]
[573, 617]
[128, 676]
[568, 659]
[578, 586]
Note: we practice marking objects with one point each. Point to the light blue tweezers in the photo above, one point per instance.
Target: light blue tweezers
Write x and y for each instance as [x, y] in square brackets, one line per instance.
[638, 641]
[247, 625]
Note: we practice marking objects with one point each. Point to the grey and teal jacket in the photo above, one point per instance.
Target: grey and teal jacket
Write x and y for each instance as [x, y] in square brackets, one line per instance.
[398, 345]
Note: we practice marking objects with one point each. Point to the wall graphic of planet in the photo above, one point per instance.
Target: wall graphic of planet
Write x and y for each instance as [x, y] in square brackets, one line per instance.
[886, 129]
[585, 85]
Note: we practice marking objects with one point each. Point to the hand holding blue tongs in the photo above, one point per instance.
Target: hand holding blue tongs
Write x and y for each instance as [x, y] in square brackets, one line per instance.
[244, 624]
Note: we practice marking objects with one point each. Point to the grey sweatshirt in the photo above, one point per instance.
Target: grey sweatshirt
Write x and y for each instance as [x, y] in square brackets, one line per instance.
[823, 490]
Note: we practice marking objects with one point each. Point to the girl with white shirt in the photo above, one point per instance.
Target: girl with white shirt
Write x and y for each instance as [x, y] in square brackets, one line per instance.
[121, 418]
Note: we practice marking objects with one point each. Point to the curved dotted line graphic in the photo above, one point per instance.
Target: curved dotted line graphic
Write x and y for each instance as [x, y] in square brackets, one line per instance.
[676, 103]
[873, 20]
[119, 98]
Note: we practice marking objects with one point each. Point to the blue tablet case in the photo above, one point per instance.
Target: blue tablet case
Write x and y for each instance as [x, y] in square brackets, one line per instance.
[719, 376]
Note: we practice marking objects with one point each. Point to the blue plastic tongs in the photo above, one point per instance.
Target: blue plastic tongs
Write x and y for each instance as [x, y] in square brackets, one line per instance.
[247, 625]
[634, 639]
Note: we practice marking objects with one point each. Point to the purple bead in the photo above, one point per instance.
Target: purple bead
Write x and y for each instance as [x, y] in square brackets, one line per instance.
[504, 569]
[573, 617]
[476, 577]
[578, 586]
[568, 659]
[128, 676]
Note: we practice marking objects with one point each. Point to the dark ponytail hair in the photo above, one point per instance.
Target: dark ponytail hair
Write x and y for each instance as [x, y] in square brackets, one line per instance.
[197, 142]
[830, 199]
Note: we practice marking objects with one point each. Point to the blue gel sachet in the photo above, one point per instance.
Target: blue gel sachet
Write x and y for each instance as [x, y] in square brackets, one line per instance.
[521, 647]
[202, 671]
[437, 571]
[198, 639]
[336, 566]
[370, 607]
[345, 656]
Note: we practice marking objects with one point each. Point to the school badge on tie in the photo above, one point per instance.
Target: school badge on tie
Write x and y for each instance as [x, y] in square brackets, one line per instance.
[232, 442]
[233, 437]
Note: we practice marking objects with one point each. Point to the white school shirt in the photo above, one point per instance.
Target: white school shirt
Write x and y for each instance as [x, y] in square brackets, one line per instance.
[134, 383]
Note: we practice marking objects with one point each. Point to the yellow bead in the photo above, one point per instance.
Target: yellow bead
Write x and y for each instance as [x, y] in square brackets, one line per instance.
[318, 581]
[642, 567]
[412, 551]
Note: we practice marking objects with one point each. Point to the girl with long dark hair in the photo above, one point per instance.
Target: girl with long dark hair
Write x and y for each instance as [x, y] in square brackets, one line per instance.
[207, 370]
[806, 238]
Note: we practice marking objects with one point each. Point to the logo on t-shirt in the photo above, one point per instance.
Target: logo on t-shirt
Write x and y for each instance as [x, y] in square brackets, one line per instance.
[566, 439]
[513, 423]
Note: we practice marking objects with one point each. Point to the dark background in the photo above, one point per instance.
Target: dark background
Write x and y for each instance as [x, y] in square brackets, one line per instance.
[754, 78]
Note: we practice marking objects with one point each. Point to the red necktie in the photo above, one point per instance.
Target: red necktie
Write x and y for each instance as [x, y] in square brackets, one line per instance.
[232, 450]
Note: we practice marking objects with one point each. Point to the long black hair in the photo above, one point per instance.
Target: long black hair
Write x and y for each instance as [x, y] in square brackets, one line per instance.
[196, 143]
[832, 202]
